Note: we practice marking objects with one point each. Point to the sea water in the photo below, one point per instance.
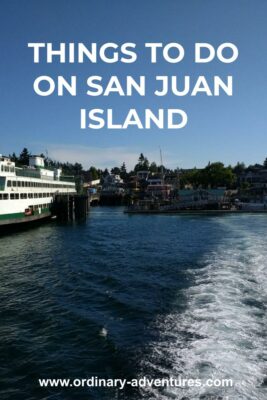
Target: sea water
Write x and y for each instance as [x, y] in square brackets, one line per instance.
[132, 296]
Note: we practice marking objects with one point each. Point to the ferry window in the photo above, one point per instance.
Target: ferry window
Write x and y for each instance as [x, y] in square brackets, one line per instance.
[40, 195]
[8, 183]
[14, 183]
[22, 183]
[2, 168]
[23, 195]
[12, 196]
[5, 196]
[1, 196]
[35, 195]
[19, 184]
[2, 183]
[16, 196]
[30, 195]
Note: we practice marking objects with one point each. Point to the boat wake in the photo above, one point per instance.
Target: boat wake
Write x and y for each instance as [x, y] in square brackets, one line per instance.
[222, 333]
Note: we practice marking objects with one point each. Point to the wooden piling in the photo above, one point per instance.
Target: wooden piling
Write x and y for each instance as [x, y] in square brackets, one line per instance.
[68, 207]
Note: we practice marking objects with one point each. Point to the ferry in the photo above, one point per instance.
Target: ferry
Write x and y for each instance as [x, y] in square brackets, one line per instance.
[27, 193]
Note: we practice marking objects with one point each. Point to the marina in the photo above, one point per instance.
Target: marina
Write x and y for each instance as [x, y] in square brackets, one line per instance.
[35, 193]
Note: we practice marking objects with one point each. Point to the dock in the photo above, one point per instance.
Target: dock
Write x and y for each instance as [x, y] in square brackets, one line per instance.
[70, 207]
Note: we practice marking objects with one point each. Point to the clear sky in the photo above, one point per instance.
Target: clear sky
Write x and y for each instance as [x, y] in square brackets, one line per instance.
[223, 128]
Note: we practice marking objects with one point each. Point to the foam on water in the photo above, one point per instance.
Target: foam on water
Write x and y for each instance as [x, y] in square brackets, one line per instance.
[222, 333]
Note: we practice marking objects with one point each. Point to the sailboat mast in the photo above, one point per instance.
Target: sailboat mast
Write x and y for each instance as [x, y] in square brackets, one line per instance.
[161, 162]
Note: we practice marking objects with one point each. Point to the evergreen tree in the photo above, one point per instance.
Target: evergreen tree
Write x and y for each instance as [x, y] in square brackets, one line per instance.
[115, 170]
[93, 173]
[143, 164]
[153, 167]
[123, 171]
[24, 157]
[239, 168]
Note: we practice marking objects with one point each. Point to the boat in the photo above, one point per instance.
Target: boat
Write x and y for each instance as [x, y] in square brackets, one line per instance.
[27, 193]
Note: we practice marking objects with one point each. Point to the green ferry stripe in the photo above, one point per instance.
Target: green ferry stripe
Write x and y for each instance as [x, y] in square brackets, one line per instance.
[21, 215]
[14, 215]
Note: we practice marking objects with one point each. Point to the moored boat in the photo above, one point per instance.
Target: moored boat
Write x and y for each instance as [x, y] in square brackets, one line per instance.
[27, 193]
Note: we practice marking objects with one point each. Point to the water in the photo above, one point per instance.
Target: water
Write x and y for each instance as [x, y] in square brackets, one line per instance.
[125, 296]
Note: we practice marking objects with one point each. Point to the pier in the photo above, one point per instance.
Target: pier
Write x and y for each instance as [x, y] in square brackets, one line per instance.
[70, 207]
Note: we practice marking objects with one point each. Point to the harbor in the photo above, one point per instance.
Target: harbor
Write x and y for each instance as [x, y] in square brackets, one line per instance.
[45, 190]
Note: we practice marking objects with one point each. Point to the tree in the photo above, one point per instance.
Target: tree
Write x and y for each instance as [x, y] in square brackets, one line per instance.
[115, 170]
[216, 174]
[265, 163]
[24, 157]
[255, 167]
[143, 164]
[105, 172]
[77, 168]
[123, 171]
[239, 168]
[13, 157]
[153, 167]
[93, 173]
[191, 177]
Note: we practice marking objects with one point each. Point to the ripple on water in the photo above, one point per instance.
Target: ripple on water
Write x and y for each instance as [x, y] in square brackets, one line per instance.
[126, 296]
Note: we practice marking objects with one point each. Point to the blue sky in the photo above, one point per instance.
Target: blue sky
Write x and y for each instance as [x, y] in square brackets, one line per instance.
[223, 128]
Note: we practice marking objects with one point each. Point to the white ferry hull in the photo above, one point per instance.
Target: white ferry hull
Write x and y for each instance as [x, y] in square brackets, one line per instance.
[20, 222]
[27, 195]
